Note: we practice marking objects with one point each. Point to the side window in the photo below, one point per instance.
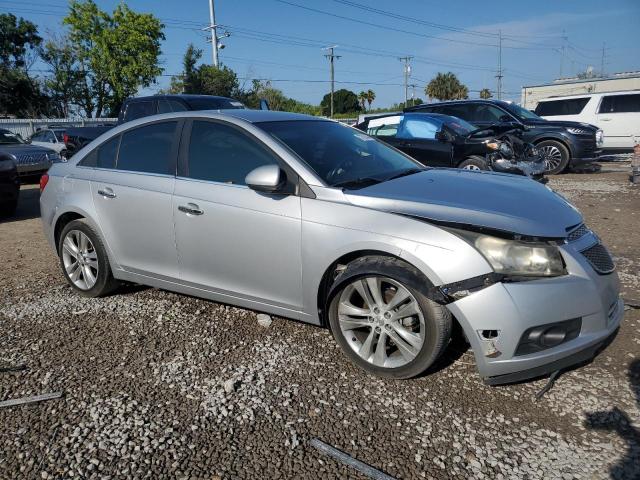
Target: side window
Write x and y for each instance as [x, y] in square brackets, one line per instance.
[486, 113]
[104, 156]
[138, 110]
[572, 106]
[148, 148]
[50, 137]
[166, 106]
[620, 104]
[177, 106]
[221, 153]
[38, 137]
[418, 128]
[384, 127]
[163, 106]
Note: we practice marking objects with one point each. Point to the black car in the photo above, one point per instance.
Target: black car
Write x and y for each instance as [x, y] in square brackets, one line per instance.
[562, 143]
[138, 107]
[443, 141]
[9, 185]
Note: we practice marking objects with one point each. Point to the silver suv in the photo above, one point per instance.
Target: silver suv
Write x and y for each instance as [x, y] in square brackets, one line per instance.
[309, 219]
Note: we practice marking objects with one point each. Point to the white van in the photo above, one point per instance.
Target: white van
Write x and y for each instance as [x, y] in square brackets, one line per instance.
[616, 113]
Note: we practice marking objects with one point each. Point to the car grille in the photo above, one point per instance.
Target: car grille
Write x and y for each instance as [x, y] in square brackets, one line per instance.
[31, 158]
[599, 258]
[578, 233]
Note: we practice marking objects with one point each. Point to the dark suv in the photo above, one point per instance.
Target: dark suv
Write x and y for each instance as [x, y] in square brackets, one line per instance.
[562, 143]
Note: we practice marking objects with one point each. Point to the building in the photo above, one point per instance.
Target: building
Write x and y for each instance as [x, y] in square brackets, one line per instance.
[575, 86]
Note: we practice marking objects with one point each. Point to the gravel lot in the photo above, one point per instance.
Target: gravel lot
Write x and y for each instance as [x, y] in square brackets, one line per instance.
[162, 385]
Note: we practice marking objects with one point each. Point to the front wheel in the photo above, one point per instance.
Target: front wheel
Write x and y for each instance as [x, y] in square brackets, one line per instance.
[474, 162]
[382, 320]
[556, 156]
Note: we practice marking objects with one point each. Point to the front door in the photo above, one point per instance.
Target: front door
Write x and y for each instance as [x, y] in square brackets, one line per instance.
[231, 239]
[619, 119]
[132, 188]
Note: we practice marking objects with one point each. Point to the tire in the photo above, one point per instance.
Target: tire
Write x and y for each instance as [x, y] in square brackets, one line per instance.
[98, 281]
[426, 323]
[556, 156]
[474, 162]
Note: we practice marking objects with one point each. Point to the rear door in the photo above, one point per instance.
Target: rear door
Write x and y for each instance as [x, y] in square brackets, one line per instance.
[417, 138]
[233, 240]
[132, 187]
[619, 118]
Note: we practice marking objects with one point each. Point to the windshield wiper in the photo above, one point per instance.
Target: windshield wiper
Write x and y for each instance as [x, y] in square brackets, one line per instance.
[357, 183]
[404, 173]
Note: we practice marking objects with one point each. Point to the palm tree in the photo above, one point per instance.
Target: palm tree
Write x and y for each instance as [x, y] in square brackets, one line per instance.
[485, 93]
[370, 96]
[446, 86]
[362, 98]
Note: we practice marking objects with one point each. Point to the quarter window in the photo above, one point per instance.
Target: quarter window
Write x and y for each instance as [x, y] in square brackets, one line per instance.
[221, 153]
[138, 110]
[620, 103]
[107, 153]
[572, 106]
[148, 149]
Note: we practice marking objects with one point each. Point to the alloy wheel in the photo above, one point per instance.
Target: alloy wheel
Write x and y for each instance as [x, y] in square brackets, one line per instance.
[80, 259]
[472, 167]
[381, 321]
[552, 156]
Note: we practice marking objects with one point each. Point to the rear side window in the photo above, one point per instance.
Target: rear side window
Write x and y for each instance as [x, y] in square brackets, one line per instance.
[148, 149]
[139, 110]
[221, 153]
[620, 104]
[571, 106]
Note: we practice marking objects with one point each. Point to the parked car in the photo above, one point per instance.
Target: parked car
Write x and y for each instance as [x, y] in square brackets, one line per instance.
[9, 185]
[52, 138]
[139, 107]
[442, 141]
[314, 220]
[616, 113]
[562, 143]
[31, 160]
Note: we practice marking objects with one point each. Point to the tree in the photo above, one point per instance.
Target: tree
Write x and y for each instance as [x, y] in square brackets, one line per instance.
[215, 81]
[190, 73]
[20, 94]
[370, 96]
[446, 86]
[66, 83]
[344, 101]
[118, 53]
[362, 98]
[485, 93]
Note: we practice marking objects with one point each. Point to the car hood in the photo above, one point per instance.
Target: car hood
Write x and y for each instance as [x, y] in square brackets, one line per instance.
[495, 201]
[25, 149]
[559, 124]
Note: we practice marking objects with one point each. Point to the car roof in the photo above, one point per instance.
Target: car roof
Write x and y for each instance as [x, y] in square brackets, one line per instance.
[257, 116]
[183, 96]
[588, 94]
[501, 103]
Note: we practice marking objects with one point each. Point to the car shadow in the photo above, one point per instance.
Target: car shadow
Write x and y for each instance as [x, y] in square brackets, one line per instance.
[28, 205]
[618, 421]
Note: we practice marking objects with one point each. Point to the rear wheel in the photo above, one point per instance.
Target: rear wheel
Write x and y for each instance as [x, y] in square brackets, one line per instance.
[382, 320]
[556, 156]
[475, 162]
[84, 260]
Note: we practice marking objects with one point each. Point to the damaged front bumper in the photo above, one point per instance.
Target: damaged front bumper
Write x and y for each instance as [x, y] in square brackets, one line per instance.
[533, 168]
[525, 329]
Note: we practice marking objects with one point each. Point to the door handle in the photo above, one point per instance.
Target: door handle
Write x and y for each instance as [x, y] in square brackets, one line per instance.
[605, 119]
[107, 193]
[191, 209]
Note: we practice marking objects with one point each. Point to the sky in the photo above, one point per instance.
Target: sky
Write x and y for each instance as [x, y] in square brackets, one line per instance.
[283, 40]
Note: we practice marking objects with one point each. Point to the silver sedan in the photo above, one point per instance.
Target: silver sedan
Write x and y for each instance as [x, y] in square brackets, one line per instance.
[309, 219]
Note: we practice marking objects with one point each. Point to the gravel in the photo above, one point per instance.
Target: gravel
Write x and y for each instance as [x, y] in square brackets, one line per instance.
[161, 385]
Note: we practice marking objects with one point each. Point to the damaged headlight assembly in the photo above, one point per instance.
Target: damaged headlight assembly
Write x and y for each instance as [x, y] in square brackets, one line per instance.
[517, 258]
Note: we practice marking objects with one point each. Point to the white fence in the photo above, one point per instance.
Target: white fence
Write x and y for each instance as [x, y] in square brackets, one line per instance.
[27, 127]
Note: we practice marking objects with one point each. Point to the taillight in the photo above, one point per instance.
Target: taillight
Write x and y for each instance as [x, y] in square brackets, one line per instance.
[44, 179]
[65, 138]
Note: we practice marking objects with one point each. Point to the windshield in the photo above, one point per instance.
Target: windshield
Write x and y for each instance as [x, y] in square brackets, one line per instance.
[341, 155]
[8, 138]
[460, 126]
[214, 104]
[521, 113]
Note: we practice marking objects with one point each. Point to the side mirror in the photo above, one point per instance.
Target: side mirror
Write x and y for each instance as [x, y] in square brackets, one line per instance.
[268, 178]
[264, 105]
[442, 136]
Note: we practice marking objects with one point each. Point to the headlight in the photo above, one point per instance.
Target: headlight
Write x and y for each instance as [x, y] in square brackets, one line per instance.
[577, 131]
[493, 145]
[599, 137]
[515, 257]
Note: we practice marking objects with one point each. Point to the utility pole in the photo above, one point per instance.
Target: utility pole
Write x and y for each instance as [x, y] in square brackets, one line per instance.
[602, 60]
[214, 33]
[331, 58]
[563, 49]
[407, 72]
[500, 75]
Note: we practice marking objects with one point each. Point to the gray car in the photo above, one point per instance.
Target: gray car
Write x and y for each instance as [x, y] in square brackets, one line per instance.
[30, 160]
[313, 220]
